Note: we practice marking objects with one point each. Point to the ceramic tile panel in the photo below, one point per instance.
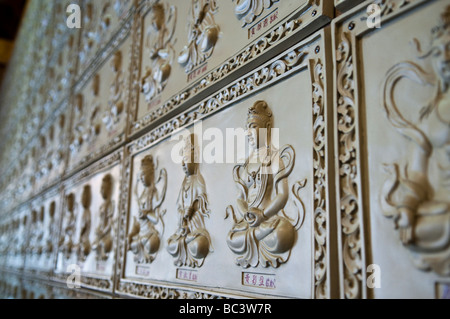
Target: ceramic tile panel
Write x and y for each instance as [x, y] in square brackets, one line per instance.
[392, 142]
[173, 232]
[185, 50]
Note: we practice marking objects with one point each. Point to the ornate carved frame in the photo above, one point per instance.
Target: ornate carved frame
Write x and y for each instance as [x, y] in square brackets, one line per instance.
[352, 214]
[308, 56]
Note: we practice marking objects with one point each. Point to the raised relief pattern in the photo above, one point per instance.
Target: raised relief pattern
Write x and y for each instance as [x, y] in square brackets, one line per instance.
[66, 243]
[51, 231]
[104, 232]
[191, 243]
[264, 234]
[116, 99]
[203, 33]
[144, 239]
[159, 41]
[412, 196]
[248, 11]
[84, 244]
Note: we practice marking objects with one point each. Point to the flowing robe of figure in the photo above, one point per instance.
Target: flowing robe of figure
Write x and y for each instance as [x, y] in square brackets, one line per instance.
[270, 242]
[191, 243]
[144, 238]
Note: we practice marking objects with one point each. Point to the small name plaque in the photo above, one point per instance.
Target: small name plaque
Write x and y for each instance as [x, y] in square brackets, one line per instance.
[259, 280]
[263, 24]
[187, 274]
[101, 266]
[142, 270]
[197, 72]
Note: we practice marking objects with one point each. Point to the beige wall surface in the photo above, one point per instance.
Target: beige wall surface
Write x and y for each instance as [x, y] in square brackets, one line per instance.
[237, 149]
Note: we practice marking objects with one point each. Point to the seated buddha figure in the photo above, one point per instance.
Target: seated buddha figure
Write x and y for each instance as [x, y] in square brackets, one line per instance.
[203, 34]
[51, 231]
[84, 244]
[264, 234]
[66, 243]
[144, 238]
[103, 244]
[191, 243]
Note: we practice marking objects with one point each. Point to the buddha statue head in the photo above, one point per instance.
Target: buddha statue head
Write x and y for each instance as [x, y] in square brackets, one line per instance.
[71, 202]
[106, 187]
[86, 196]
[52, 209]
[147, 173]
[158, 16]
[259, 125]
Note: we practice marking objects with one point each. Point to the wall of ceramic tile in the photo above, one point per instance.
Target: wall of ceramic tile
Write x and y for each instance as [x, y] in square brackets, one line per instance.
[244, 148]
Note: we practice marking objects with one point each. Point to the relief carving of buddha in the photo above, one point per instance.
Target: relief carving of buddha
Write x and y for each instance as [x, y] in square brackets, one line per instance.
[84, 244]
[115, 104]
[103, 243]
[191, 243]
[264, 234]
[52, 229]
[144, 238]
[159, 40]
[203, 33]
[66, 243]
